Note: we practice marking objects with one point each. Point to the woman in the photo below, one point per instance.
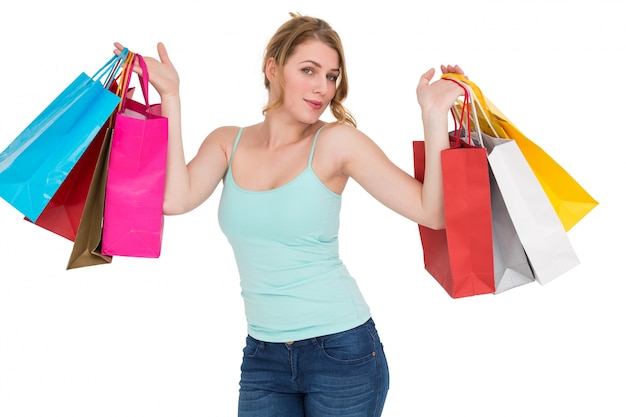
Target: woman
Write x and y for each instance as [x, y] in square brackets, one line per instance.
[312, 347]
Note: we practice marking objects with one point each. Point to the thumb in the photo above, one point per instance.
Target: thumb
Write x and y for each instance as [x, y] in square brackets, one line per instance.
[426, 77]
[163, 56]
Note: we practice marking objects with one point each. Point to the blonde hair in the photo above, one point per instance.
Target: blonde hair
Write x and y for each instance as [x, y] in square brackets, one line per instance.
[283, 44]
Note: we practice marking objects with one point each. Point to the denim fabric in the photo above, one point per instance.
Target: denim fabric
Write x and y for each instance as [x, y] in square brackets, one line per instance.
[343, 374]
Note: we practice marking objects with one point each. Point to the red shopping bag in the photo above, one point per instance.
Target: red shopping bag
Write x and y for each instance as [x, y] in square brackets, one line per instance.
[135, 186]
[460, 257]
[87, 248]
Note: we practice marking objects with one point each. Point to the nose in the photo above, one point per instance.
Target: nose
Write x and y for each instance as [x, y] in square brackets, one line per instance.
[320, 85]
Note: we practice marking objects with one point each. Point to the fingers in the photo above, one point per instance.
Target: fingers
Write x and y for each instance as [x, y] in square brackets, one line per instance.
[163, 56]
[452, 69]
[118, 48]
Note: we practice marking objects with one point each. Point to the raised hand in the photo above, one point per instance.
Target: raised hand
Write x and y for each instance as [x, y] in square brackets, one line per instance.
[162, 74]
[439, 95]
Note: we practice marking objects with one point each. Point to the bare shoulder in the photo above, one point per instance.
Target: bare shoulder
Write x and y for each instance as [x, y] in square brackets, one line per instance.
[223, 134]
[341, 130]
[345, 141]
[221, 138]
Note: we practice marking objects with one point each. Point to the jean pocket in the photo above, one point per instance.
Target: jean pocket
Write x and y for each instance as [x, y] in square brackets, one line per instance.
[251, 348]
[352, 346]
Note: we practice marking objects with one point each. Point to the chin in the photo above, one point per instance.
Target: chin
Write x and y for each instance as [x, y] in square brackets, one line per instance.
[309, 120]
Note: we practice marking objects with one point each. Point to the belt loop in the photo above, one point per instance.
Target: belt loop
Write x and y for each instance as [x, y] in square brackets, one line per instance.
[316, 342]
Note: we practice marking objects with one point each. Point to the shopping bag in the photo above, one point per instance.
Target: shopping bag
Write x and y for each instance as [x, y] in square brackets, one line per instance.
[86, 250]
[63, 212]
[460, 257]
[39, 159]
[537, 224]
[569, 199]
[540, 231]
[133, 212]
[510, 264]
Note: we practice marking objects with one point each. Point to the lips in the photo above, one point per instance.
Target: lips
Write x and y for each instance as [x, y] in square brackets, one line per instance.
[315, 105]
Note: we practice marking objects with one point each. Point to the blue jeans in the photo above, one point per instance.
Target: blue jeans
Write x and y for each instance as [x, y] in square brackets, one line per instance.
[343, 374]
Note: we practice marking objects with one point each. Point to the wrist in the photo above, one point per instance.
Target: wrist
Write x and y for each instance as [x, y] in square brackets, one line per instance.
[434, 116]
[170, 96]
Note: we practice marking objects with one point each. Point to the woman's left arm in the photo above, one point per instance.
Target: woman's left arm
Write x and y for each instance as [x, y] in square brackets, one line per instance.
[392, 186]
[369, 166]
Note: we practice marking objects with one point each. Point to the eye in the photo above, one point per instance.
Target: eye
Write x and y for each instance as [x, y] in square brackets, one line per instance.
[307, 70]
[332, 77]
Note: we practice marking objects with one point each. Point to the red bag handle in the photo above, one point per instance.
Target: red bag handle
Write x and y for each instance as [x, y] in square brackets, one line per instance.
[475, 104]
[465, 108]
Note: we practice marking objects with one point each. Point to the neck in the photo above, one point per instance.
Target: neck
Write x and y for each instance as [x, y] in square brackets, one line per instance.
[279, 132]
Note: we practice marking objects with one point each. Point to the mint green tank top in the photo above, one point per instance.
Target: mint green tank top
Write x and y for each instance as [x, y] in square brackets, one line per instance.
[285, 241]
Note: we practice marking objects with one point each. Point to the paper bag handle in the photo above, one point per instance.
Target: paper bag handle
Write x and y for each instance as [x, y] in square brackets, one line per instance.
[455, 116]
[474, 102]
[110, 69]
[144, 79]
[127, 72]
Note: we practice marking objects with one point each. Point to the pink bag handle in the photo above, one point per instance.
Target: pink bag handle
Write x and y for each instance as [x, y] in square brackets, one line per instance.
[144, 79]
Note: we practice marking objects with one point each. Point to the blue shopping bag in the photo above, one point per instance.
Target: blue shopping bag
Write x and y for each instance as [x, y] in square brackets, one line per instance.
[36, 163]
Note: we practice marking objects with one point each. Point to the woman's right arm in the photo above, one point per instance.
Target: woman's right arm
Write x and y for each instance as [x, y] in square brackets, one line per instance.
[186, 185]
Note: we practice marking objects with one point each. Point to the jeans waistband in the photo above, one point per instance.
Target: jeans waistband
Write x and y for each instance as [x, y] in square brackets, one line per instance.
[314, 340]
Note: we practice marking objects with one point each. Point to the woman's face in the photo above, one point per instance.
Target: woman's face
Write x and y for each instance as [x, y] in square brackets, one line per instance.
[310, 76]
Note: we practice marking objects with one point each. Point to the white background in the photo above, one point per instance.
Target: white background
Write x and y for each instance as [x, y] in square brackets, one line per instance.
[163, 337]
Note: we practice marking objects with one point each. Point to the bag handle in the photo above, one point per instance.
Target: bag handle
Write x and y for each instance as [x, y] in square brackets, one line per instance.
[110, 69]
[489, 117]
[470, 102]
[455, 116]
[122, 88]
[143, 80]
[485, 116]
[473, 122]
[475, 103]
[114, 74]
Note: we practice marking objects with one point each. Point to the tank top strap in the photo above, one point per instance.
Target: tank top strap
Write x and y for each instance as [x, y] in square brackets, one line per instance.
[313, 145]
[232, 152]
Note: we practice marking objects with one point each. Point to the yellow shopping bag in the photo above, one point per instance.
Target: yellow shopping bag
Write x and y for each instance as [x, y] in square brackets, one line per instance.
[569, 199]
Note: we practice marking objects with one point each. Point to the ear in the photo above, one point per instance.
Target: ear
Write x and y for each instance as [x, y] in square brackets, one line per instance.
[270, 70]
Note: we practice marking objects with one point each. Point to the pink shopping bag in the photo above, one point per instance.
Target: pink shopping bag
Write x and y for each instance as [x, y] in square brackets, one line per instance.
[133, 211]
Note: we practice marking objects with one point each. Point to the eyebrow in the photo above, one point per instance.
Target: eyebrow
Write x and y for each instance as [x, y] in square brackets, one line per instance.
[317, 64]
